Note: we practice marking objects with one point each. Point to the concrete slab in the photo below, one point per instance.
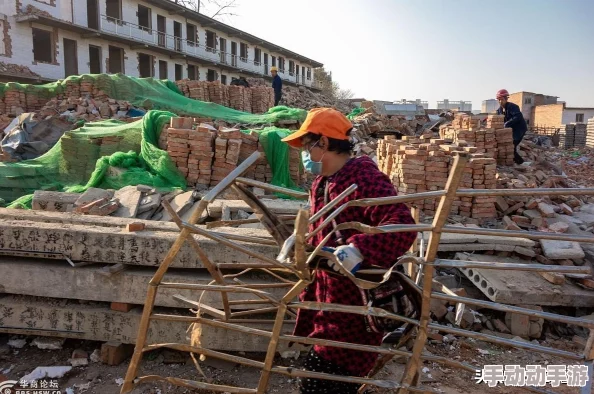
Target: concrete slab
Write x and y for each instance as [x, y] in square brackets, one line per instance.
[96, 322]
[94, 243]
[58, 279]
[520, 287]
[558, 250]
[129, 198]
[54, 201]
[588, 208]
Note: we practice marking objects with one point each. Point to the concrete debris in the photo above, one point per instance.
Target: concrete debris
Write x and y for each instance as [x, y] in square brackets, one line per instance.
[17, 343]
[46, 372]
[47, 343]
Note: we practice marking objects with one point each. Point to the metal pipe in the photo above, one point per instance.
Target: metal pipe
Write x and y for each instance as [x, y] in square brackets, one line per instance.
[511, 266]
[519, 234]
[515, 309]
[525, 192]
[508, 342]
[272, 188]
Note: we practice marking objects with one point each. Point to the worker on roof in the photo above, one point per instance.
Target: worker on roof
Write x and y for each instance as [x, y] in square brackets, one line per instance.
[277, 85]
[514, 119]
[327, 154]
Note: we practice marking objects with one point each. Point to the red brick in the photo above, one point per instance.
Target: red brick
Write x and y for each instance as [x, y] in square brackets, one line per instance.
[136, 226]
[114, 353]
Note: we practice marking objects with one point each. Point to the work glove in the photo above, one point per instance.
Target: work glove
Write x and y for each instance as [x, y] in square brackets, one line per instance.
[350, 257]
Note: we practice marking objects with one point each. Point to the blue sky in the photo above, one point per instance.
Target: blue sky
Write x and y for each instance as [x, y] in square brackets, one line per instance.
[436, 49]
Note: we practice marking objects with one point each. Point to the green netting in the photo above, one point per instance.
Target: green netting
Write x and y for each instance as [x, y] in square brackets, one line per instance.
[150, 93]
[277, 155]
[113, 154]
[110, 154]
[355, 112]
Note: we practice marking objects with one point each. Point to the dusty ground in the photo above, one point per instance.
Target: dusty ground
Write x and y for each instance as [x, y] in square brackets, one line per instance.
[101, 379]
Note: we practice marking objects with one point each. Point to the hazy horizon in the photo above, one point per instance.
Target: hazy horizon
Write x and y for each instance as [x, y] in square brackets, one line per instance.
[433, 49]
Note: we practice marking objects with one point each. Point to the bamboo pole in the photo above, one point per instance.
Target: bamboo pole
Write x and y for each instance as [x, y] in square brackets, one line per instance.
[301, 226]
[272, 188]
[276, 330]
[233, 245]
[193, 384]
[440, 219]
[212, 269]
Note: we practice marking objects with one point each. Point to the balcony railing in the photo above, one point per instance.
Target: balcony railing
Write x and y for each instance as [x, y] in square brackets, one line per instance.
[178, 44]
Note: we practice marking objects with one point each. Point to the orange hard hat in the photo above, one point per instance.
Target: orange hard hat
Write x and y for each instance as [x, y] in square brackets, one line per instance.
[322, 121]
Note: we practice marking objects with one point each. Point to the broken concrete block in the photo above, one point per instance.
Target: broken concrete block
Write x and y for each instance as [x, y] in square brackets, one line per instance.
[585, 217]
[532, 214]
[181, 204]
[149, 203]
[588, 208]
[558, 250]
[48, 343]
[129, 198]
[532, 204]
[520, 220]
[546, 210]
[93, 194]
[439, 309]
[559, 227]
[105, 209]
[566, 209]
[54, 201]
[500, 326]
[510, 224]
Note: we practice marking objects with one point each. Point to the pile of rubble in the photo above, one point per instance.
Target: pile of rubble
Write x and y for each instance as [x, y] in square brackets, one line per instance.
[206, 155]
[371, 122]
[87, 109]
[18, 71]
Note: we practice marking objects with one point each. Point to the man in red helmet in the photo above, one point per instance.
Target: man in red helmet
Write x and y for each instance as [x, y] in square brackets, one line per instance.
[514, 119]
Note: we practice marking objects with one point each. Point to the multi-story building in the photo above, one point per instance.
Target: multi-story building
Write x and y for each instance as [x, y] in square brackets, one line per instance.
[555, 115]
[527, 101]
[465, 106]
[424, 104]
[149, 38]
[489, 106]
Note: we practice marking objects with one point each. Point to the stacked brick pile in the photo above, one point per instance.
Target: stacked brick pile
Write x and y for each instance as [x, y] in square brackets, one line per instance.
[206, 155]
[417, 165]
[177, 143]
[505, 146]
[573, 135]
[493, 141]
[218, 93]
[590, 133]
[257, 99]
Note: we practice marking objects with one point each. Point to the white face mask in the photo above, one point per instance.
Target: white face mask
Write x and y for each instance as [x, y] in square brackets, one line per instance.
[313, 167]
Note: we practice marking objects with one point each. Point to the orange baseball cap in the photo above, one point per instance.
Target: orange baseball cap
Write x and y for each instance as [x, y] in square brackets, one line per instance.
[322, 121]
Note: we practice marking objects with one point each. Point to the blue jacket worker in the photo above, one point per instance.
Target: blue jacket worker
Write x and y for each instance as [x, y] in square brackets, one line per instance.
[277, 85]
[514, 119]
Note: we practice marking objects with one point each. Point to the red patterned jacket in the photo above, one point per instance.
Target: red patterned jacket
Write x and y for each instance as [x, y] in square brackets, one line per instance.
[379, 249]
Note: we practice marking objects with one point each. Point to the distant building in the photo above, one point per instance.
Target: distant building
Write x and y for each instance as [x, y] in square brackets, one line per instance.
[424, 104]
[465, 106]
[555, 115]
[527, 101]
[391, 109]
[489, 106]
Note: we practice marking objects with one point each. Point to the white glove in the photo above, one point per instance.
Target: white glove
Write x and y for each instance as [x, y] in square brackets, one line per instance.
[350, 257]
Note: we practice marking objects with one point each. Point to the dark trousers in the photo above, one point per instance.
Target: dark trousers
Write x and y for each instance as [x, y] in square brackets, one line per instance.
[517, 158]
[313, 362]
[277, 99]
